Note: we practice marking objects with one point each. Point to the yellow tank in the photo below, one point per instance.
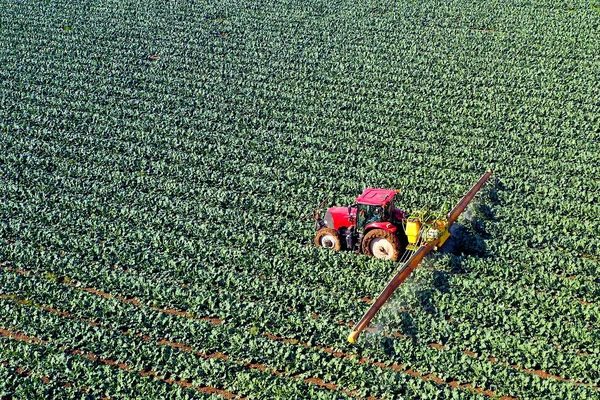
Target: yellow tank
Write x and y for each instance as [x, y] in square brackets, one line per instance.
[412, 231]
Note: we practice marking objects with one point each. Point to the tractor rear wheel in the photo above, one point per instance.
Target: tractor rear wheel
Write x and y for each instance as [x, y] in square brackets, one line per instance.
[380, 243]
[328, 238]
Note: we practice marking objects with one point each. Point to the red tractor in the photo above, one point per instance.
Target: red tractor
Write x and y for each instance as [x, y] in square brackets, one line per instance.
[373, 225]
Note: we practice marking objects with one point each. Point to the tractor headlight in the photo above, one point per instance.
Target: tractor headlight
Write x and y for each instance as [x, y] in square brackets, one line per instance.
[328, 220]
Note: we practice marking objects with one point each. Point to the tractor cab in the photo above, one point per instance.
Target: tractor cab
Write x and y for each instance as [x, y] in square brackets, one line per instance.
[374, 205]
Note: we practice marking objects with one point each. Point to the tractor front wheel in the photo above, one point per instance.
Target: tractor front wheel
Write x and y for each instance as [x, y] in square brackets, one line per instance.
[380, 243]
[328, 238]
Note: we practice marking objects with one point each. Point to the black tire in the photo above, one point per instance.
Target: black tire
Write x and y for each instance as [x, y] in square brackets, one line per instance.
[328, 238]
[390, 247]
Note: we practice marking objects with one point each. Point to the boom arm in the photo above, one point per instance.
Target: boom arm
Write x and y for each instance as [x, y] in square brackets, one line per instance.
[414, 261]
[464, 202]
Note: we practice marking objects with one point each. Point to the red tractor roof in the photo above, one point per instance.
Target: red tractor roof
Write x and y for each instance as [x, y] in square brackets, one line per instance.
[375, 197]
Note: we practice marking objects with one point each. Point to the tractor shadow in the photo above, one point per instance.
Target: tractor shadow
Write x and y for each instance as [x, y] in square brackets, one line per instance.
[468, 240]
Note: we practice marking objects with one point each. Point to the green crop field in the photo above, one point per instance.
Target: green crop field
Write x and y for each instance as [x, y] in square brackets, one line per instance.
[160, 161]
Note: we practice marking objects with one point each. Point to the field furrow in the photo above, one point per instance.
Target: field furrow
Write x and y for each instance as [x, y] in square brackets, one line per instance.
[433, 349]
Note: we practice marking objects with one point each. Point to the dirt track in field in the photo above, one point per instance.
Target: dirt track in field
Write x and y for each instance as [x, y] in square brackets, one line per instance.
[165, 342]
[25, 373]
[32, 339]
[398, 368]
[542, 374]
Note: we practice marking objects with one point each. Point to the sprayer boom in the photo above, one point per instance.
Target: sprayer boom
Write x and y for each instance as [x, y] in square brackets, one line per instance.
[416, 258]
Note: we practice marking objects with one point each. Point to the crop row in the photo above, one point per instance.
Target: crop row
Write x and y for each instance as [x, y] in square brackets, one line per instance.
[15, 382]
[341, 369]
[165, 73]
[532, 234]
[501, 299]
[60, 366]
[199, 333]
[487, 331]
[144, 195]
[160, 148]
[260, 287]
[161, 238]
[559, 276]
[239, 308]
[164, 361]
[536, 235]
[442, 367]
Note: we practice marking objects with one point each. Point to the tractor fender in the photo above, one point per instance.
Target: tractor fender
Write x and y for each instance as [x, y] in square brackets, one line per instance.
[386, 226]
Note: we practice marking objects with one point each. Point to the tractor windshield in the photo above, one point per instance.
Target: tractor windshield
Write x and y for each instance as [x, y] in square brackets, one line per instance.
[369, 213]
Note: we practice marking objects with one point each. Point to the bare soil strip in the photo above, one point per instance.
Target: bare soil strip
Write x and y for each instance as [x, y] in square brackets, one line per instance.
[176, 345]
[396, 367]
[25, 373]
[216, 321]
[32, 339]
